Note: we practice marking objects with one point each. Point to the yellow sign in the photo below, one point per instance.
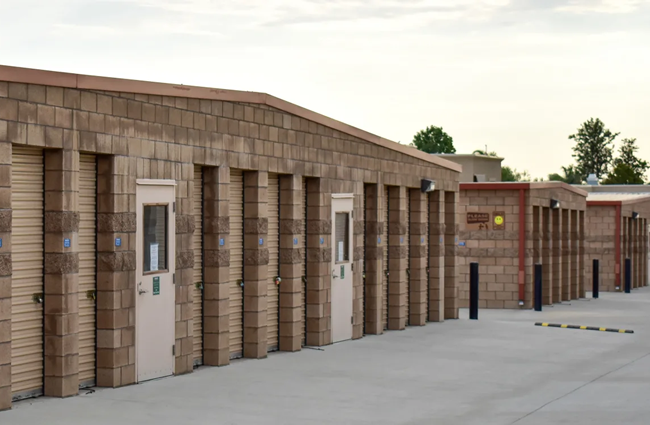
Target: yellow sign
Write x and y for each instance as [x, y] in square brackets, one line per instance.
[499, 218]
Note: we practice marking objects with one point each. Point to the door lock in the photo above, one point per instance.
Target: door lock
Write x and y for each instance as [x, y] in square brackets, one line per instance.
[140, 290]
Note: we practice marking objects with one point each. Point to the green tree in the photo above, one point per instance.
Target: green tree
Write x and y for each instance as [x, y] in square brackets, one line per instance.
[434, 140]
[623, 174]
[593, 150]
[571, 175]
[509, 174]
[627, 156]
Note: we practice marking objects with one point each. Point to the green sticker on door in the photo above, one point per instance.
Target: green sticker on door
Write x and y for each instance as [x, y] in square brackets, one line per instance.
[156, 285]
[342, 272]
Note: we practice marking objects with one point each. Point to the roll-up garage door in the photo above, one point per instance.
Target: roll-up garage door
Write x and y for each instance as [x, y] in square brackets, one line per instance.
[273, 242]
[384, 243]
[27, 277]
[407, 242]
[236, 262]
[303, 242]
[197, 298]
[87, 262]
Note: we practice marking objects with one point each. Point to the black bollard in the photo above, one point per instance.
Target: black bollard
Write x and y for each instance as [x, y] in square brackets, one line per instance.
[628, 275]
[538, 287]
[473, 291]
[596, 271]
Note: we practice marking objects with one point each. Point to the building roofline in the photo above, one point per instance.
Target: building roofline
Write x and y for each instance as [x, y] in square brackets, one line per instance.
[522, 186]
[468, 155]
[631, 201]
[87, 82]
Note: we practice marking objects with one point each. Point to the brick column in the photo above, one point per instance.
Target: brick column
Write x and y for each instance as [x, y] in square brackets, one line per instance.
[575, 249]
[256, 260]
[292, 256]
[418, 262]
[185, 271]
[373, 267]
[566, 255]
[451, 269]
[581, 255]
[61, 268]
[319, 259]
[547, 257]
[644, 242]
[357, 273]
[5, 276]
[397, 261]
[556, 278]
[436, 256]
[216, 266]
[115, 271]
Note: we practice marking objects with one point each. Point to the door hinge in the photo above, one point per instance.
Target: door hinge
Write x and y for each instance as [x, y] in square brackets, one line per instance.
[352, 320]
[173, 206]
[352, 266]
[174, 278]
[174, 350]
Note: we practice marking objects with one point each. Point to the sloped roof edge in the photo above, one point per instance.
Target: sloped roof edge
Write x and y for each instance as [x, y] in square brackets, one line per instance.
[88, 82]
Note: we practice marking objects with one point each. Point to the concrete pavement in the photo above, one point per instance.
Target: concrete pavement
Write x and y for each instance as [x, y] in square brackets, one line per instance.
[498, 370]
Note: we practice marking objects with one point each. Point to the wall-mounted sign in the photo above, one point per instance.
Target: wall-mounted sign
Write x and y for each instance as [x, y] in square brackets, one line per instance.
[222, 242]
[295, 241]
[156, 285]
[477, 221]
[342, 272]
[322, 241]
[118, 241]
[499, 220]
[261, 241]
[461, 244]
[0, 242]
[66, 243]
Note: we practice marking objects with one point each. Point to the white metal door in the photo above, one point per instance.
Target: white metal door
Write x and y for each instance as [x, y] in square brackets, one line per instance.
[236, 303]
[27, 275]
[156, 292]
[197, 290]
[273, 242]
[87, 262]
[342, 249]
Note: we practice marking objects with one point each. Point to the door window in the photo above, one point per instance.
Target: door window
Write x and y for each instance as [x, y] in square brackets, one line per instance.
[342, 236]
[155, 237]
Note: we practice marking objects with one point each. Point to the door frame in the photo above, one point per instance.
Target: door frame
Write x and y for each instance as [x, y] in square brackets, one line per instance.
[139, 257]
[348, 202]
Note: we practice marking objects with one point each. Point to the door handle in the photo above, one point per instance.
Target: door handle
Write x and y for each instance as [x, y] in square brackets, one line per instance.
[140, 290]
[334, 275]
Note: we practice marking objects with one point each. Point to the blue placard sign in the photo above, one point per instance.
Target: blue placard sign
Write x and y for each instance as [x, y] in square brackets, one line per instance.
[118, 241]
[261, 241]
[322, 241]
[378, 240]
[0, 242]
[461, 244]
[66, 243]
[295, 241]
[222, 242]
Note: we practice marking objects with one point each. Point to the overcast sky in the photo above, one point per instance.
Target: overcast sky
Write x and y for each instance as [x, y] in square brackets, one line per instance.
[516, 75]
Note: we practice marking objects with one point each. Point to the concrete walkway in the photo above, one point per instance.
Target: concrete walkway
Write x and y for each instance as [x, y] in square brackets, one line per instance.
[498, 370]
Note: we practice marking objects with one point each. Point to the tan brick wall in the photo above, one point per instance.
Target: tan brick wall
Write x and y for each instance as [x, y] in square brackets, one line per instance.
[548, 240]
[139, 136]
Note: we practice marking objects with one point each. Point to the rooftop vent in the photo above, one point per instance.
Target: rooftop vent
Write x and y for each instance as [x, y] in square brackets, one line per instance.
[592, 180]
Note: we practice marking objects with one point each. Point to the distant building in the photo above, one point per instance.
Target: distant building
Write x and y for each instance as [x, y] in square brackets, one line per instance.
[476, 168]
